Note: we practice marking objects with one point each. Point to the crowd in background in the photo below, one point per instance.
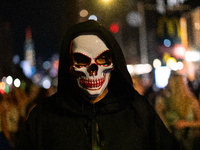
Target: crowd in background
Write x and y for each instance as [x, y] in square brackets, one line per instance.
[178, 105]
[15, 107]
[179, 110]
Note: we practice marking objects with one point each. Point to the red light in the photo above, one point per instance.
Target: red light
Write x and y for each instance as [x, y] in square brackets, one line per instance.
[2, 87]
[2, 91]
[114, 28]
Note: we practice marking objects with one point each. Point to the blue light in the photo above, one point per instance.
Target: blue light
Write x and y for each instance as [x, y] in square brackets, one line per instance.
[167, 43]
[25, 65]
[16, 59]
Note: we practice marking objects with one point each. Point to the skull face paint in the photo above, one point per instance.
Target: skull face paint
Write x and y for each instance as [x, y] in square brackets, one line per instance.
[92, 64]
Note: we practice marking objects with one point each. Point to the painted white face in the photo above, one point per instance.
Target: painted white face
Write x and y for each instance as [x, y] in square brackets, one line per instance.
[92, 64]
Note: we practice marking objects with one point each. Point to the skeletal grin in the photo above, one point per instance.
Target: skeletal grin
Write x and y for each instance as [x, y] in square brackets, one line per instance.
[92, 84]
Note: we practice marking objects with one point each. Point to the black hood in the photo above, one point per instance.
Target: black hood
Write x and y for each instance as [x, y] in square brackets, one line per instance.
[120, 78]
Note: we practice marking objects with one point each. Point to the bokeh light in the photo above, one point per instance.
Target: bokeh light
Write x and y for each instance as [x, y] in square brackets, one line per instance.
[56, 64]
[130, 69]
[9, 80]
[46, 65]
[179, 51]
[171, 62]
[2, 87]
[17, 82]
[26, 66]
[180, 65]
[156, 63]
[134, 19]
[139, 69]
[7, 88]
[16, 59]
[46, 83]
[114, 28]
[83, 13]
[53, 72]
[92, 17]
[162, 75]
[192, 56]
[167, 42]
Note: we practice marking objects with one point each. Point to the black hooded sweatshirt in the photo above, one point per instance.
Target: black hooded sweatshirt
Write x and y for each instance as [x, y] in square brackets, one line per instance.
[122, 120]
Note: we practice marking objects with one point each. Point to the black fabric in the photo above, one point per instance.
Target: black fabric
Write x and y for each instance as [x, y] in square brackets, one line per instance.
[4, 143]
[122, 120]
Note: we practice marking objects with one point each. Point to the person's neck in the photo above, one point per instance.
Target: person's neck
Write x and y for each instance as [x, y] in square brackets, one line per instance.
[94, 100]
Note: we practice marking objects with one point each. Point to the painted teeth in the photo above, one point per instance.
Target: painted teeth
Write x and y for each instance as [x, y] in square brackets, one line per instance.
[92, 83]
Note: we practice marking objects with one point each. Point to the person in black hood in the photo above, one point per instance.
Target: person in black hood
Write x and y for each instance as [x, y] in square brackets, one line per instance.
[96, 106]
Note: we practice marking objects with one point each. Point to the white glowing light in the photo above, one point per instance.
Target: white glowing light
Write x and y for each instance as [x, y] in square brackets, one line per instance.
[192, 56]
[17, 82]
[134, 19]
[139, 69]
[46, 83]
[179, 51]
[188, 56]
[142, 68]
[172, 3]
[174, 66]
[160, 6]
[162, 75]
[171, 62]
[180, 65]
[9, 80]
[156, 63]
[93, 17]
[130, 69]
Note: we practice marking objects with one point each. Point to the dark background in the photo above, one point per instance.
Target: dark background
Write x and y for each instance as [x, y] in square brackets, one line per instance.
[49, 20]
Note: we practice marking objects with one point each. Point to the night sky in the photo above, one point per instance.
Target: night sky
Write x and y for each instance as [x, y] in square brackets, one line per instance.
[49, 19]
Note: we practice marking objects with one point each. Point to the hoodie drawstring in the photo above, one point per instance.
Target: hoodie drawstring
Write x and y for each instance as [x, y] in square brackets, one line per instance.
[95, 135]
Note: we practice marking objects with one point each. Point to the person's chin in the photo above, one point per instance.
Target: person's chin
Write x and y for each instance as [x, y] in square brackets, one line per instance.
[92, 94]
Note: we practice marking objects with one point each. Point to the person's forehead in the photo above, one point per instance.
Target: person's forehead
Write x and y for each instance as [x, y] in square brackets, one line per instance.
[88, 44]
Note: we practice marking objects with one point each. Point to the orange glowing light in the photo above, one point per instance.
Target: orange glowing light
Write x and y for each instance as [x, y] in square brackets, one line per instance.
[2, 87]
[56, 64]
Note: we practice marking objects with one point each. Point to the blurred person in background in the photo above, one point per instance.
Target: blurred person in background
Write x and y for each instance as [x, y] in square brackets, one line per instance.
[180, 111]
[138, 85]
[12, 114]
[96, 106]
[4, 143]
[145, 90]
[14, 110]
